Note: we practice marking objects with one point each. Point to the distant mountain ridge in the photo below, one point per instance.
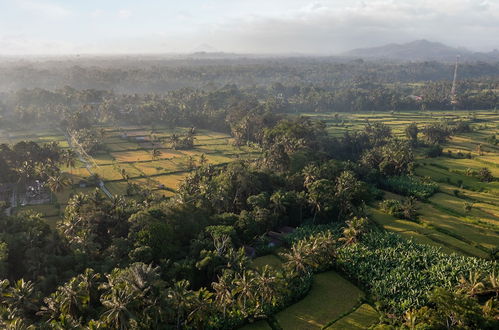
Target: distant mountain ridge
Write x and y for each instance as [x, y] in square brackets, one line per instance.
[421, 50]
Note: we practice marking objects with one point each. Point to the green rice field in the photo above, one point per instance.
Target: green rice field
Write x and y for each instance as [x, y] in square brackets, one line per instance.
[331, 296]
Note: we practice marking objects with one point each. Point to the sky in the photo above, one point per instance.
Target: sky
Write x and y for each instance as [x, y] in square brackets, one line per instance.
[241, 26]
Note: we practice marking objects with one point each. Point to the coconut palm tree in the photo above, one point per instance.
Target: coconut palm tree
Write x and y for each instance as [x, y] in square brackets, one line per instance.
[25, 172]
[175, 140]
[310, 174]
[179, 296]
[278, 200]
[493, 283]
[156, 153]
[203, 160]
[72, 298]
[58, 182]
[117, 313]
[201, 306]
[268, 286]
[68, 158]
[223, 292]
[244, 288]
[355, 227]
[124, 174]
[296, 259]
[21, 298]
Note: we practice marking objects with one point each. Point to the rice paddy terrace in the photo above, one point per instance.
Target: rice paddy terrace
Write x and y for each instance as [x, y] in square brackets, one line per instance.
[443, 219]
[127, 157]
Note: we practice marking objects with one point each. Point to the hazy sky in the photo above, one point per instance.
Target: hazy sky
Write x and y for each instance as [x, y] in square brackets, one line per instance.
[245, 26]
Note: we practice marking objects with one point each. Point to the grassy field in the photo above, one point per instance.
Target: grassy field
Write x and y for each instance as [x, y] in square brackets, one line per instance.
[330, 297]
[258, 325]
[362, 318]
[270, 259]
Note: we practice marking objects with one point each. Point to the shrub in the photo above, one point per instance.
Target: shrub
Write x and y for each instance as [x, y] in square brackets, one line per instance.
[468, 206]
[434, 151]
[410, 186]
[392, 207]
[485, 175]
[405, 209]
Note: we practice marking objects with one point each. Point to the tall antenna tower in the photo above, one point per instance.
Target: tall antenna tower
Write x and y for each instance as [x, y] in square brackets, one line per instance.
[453, 96]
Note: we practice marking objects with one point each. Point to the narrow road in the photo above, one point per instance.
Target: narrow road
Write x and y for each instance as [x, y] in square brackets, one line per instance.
[102, 186]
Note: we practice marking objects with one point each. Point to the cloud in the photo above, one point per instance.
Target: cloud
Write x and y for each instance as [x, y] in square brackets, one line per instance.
[47, 9]
[124, 13]
[280, 26]
[97, 13]
[331, 28]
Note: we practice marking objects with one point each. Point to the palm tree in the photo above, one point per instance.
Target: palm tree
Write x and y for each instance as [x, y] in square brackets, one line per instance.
[124, 174]
[201, 307]
[117, 313]
[191, 132]
[142, 276]
[72, 298]
[20, 298]
[203, 160]
[268, 286]
[297, 261]
[180, 297]
[245, 288]
[410, 319]
[175, 139]
[310, 174]
[223, 292]
[58, 182]
[156, 153]
[69, 159]
[493, 283]
[355, 227]
[409, 208]
[191, 163]
[278, 200]
[25, 172]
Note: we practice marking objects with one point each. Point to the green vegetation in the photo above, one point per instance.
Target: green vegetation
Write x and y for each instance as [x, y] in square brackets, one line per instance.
[142, 211]
[399, 274]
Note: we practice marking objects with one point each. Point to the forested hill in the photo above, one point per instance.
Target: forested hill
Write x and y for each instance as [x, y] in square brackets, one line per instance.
[422, 50]
[162, 74]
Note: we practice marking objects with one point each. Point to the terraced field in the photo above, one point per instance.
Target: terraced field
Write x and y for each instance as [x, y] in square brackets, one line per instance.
[331, 296]
[127, 158]
[443, 220]
[333, 302]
